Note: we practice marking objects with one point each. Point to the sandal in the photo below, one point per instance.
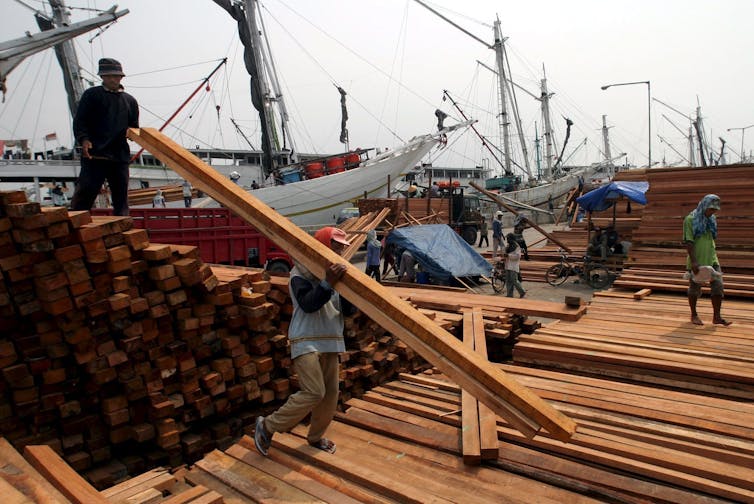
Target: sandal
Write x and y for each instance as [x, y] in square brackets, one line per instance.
[722, 322]
[261, 440]
[324, 445]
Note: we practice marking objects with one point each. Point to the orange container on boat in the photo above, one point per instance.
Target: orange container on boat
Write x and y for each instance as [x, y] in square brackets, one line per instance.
[352, 160]
[314, 170]
[444, 184]
[335, 165]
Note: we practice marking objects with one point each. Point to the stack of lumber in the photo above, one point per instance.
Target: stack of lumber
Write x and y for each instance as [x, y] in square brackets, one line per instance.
[658, 258]
[173, 192]
[121, 353]
[634, 444]
[651, 340]
[542, 256]
[408, 211]
[43, 477]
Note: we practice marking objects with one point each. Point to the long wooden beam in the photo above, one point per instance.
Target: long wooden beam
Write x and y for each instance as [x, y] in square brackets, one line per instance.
[497, 199]
[526, 411]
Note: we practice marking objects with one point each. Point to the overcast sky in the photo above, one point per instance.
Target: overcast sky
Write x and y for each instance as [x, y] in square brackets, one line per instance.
[394, 58]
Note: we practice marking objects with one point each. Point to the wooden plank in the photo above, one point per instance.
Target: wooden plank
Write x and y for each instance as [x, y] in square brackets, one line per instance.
[17, 472]
[189, 495]
[230, 496]
[470, 444]
[11, 495]
[488, 441]
[108, 493]
[507, 398]
[250, 456]
[249, 481]
[158, 479]
[345, 487]
[62, 477]
[641, 294]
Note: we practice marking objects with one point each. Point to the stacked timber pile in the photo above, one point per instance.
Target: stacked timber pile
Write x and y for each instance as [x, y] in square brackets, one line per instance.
[173, 192]
[123, 354]
[650, 339]
[634, 443]
[115, 347]
[658, 258]
[408, 211]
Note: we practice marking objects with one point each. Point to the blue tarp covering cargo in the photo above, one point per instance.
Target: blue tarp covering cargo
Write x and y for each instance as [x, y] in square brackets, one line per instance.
[440, 251]
[604, 197]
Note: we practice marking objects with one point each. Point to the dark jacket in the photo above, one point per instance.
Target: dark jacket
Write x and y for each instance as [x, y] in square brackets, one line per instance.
[102, 118]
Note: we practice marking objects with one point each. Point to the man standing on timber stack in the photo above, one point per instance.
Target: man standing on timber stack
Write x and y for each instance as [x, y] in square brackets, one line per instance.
[699, 235]
[316, 336]
[104, 114]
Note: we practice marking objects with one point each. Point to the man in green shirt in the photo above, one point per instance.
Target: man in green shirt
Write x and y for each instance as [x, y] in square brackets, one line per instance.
[699, 234]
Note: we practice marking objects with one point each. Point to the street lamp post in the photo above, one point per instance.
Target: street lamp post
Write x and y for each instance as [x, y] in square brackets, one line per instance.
[743, 132]
[649, 113]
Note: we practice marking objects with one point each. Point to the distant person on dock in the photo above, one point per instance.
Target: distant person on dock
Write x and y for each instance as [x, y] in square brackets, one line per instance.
[407, 270]
[316, 337]
[434, 190]
[374, 247]
[484, 231]
[159, 200]
[699, 235]
[234, 177]
[254, 184]
[497, 234]
[388, 257]
[103, 116]
[187, 193]
[512, 266]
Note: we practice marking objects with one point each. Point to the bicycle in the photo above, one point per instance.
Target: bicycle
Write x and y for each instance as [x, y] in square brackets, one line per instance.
[498, 277]
[593, 273]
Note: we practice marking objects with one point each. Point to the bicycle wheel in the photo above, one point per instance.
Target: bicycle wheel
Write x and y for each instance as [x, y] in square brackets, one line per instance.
[498, 280]
[557, 274]
[598, 276]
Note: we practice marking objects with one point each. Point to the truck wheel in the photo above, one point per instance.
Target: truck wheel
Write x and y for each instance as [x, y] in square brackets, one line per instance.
[278, 267]
[469, 235]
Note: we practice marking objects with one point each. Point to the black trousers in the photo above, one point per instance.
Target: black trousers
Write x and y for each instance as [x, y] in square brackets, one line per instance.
[373, 271]
[93, 174]
[484, 238]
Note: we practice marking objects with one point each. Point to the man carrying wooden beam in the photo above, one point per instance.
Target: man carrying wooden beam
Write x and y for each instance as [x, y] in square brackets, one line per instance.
[316, 335]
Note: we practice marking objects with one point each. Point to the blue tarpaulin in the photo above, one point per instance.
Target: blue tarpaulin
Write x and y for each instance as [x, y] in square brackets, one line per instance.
[440, 251]
[604, 197]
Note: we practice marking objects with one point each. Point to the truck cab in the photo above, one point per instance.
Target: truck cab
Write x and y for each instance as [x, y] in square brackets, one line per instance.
[466, 215]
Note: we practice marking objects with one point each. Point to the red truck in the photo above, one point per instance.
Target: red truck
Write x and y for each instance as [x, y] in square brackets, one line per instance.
[221, 236]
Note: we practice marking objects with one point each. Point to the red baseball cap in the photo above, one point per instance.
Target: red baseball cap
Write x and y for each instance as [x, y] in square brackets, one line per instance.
[326, 234]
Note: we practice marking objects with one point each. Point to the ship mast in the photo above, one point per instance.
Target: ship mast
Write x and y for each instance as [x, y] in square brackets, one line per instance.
[502, 86]
[66, 53]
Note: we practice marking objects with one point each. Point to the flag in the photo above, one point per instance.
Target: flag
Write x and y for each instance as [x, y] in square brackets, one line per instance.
[51, 136]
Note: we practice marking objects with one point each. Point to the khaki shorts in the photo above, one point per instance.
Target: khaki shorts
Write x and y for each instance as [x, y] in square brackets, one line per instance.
[716, 286]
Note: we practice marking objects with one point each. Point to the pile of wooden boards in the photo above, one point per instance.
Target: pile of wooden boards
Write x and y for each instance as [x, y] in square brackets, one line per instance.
[658, 257]
[122, 354]
[651, 341]
[112, 345]
[145, 196]
[409, 211]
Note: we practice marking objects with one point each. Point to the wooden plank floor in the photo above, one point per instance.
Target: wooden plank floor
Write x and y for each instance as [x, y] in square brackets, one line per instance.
[652, 341]
[402, 443]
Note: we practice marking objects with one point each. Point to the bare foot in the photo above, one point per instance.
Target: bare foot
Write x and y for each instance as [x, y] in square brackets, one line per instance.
[696, 320]
[721, 321]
